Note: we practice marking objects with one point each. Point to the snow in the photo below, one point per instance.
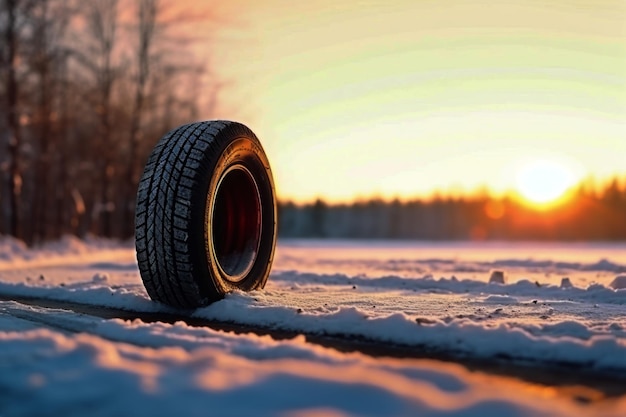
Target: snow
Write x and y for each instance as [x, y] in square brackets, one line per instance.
[555, 303]
[619, 283]
[220, 377]
[496, 277]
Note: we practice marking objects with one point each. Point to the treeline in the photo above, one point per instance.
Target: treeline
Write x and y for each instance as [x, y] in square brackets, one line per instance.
[589, 214]
[86, 88]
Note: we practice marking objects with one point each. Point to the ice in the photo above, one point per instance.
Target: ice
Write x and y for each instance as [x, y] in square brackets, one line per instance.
[558, 303]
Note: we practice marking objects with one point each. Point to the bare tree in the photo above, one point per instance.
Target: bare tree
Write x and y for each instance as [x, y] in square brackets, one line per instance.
[147, 13]
[46, 56]
[80, 110]
[13, 134]
[102, 22]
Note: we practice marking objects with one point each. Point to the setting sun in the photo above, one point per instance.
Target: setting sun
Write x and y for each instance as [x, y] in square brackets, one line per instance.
[406, 98]
[543, 182]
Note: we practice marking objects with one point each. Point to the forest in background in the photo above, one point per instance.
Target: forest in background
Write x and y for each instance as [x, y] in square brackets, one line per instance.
[590, 213]
[86, 88]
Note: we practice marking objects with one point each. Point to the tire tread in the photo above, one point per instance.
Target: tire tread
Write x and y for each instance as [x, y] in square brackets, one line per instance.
[163, 213]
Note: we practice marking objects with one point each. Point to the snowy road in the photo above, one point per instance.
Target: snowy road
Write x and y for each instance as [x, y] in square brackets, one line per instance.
[562, 305]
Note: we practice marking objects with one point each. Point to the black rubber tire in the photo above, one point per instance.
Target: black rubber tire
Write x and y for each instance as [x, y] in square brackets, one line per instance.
[205, 222]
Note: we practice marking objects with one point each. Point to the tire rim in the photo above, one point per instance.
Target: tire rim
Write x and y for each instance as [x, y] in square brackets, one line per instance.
[236, 223]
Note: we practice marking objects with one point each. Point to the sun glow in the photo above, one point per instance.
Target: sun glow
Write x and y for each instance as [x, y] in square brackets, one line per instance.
[544, 182]
[404, 98]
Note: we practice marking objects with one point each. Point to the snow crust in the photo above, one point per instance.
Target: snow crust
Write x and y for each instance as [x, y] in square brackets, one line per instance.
[558, 310]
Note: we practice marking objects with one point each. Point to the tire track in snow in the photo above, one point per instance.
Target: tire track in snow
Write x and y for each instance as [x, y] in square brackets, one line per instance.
[610, 384]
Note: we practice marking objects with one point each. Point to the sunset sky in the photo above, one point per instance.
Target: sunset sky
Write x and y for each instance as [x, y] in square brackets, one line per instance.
[361, 98]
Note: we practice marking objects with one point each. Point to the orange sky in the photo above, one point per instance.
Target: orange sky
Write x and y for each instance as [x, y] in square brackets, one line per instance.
[398, 98]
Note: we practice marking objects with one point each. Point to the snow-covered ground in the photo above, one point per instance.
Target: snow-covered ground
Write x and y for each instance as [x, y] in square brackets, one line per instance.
[545, 304]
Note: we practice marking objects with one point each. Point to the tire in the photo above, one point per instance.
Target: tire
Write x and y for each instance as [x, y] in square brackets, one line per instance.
[205, 222]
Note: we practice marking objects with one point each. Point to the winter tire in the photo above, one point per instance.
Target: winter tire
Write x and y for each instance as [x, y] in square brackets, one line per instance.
[205, 222]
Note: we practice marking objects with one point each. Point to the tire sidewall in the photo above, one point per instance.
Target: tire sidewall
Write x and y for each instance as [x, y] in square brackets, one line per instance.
[246, 150]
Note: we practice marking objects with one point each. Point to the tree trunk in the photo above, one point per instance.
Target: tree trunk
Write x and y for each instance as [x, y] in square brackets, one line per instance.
[147, 15]
[13, 122]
